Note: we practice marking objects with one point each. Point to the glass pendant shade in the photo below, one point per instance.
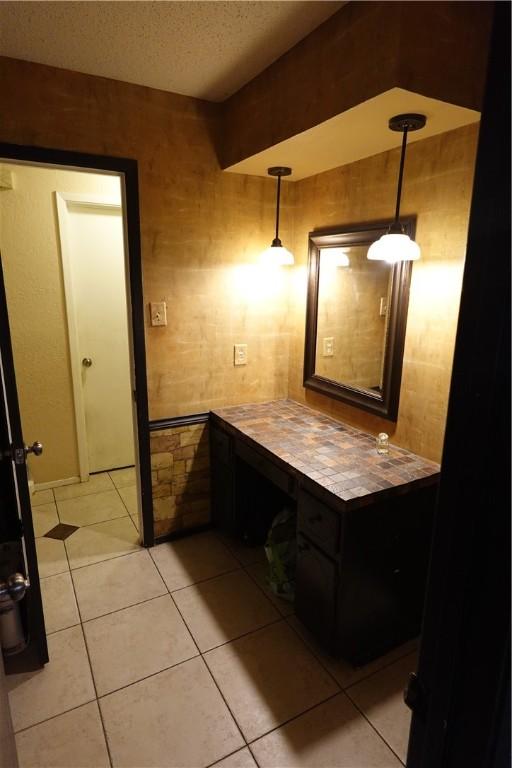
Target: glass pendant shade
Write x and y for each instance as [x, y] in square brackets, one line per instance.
[393, 248]
[277, 256]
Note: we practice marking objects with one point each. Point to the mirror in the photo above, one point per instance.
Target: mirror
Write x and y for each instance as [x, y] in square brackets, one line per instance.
[356, 319]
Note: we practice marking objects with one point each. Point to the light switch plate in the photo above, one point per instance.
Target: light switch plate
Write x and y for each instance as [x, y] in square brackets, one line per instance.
[158, 311]
[383, 308]
[240, 354]
[328, 346]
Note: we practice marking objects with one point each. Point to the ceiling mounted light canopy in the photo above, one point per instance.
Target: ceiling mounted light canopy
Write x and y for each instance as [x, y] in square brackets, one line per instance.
[277, 254]
[396, 245]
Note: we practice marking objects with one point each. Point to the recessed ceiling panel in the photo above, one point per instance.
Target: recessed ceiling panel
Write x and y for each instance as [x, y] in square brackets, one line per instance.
[357, 133]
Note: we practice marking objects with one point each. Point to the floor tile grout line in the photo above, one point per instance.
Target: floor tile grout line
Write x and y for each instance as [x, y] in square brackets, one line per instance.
[245, 567]
[283, 616]
[81, 495]
[253, 755]
[53, 717]
[205, 662]
[380, 669]
[83, 525]
[202, 658]
[62, 629]
[280, 618]
[379, 734]
[148, 677]
[124, 608]
[131, 605]
[321, 661]
[106, 559]
[245, 634]
[174, 603]
[195, 583]
[211, 578]
[90, 666]
[109, 613]
[97, 493]
[134, 682]
[124, 503]
[202, 655]
[295, 717]
[254, 579]
[315, 654]
[235, 752]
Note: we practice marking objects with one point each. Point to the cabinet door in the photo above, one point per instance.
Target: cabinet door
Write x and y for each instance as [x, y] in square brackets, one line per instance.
[383, 569]
[316, 588]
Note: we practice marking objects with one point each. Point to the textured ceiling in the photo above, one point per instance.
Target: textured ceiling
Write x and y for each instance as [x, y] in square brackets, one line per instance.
[202, 49]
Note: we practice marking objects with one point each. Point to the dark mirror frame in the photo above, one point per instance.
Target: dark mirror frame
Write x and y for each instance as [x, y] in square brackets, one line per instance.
[384, 404]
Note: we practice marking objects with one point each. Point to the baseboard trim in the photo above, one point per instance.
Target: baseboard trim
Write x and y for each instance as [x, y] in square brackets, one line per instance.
[183, 533]
[56, 483]
[179, 421]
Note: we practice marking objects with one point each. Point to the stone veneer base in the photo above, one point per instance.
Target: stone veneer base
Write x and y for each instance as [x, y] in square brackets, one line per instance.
[180, 474]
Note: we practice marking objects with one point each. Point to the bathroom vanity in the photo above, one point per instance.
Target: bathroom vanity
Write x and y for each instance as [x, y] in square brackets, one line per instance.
[364, 520]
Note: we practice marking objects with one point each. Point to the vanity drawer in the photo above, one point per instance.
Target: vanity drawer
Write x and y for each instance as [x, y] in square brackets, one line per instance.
[220, 444]
[320, 523]
[271, 471]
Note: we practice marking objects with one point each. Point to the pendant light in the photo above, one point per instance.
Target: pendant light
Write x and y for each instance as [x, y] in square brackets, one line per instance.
[277, 254]
[396, 245]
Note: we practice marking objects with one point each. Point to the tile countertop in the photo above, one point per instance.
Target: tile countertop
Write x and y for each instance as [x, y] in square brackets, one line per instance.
[342, 460]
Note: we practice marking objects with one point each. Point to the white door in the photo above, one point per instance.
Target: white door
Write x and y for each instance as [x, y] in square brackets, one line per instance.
[97, 265]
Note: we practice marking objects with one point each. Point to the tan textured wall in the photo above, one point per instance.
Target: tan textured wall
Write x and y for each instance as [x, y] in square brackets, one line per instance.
[349, 313]
[29, 242]
[437, 188]
[202, 230]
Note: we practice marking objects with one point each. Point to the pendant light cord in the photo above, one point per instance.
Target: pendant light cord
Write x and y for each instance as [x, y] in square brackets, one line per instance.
[277, 205]
[400, 177]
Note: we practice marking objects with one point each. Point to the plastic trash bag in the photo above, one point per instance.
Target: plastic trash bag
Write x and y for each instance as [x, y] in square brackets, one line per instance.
[281, 550]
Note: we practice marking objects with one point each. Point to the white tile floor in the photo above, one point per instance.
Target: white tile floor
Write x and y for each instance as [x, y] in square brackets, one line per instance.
[179, 656]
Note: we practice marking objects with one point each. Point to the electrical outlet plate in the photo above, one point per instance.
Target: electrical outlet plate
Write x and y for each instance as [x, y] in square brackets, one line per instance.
[328, 346]
[158, 311]
[240, 354]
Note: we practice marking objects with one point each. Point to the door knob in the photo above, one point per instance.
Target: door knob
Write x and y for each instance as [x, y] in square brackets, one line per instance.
[20, 454]
[36, 448]
[87, 362]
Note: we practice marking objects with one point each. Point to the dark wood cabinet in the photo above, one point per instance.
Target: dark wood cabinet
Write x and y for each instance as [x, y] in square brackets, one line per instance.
[361, 567]
[222, 481]
[316, 592]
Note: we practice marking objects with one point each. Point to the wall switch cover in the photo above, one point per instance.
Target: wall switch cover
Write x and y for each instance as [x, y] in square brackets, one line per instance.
[383, 309]
[240, 354]
[328, 346]
[158, 311]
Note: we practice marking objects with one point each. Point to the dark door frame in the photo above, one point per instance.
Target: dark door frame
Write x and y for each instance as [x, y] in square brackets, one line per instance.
[129, 170]
[461, 696]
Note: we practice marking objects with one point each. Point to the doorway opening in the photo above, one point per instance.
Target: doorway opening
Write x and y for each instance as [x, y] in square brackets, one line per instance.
[70, 248]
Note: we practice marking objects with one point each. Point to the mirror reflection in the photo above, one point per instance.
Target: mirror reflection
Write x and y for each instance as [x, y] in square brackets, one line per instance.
[356, 317]
[352, 320]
